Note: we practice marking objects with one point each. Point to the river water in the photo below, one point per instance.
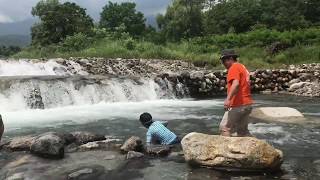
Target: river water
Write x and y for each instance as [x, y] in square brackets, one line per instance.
[113, 108]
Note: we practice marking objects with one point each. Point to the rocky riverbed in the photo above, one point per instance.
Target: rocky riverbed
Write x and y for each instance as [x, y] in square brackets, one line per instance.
[300, 80]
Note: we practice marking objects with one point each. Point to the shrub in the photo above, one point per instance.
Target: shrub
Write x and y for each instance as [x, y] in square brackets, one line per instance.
[76, 42]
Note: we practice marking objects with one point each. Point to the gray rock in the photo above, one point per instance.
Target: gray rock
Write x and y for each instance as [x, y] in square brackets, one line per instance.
[132, 144]
[296, 86]
[79, 173]
[16, 176]
[293, 81]
[197, 75]
[159, 150]
[85, 137]
[48, 145]
[210, 76]
[134, 155]
[20, 143]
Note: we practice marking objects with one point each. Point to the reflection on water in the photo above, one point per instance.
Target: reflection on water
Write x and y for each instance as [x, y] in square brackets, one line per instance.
[300, 143]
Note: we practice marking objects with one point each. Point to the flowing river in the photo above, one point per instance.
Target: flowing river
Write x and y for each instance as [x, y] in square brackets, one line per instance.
[112, 105]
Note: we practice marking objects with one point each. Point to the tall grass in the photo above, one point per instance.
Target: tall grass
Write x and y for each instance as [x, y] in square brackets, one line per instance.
[304, 47]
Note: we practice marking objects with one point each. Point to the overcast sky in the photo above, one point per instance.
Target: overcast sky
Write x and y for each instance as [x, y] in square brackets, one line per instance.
[18, 10]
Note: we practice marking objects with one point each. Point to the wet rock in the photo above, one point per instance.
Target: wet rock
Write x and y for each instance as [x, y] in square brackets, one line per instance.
[48, 145]
[132, 144]
[109, 157]
[197, 75]
[35, 99]
[20, 143]
[158, 150]
[60, 71]
[296, 86]
[77, 174]
[20, 161]
[276, 114]
[16, 176]
[293, 81]
[85, 137]
[238, 153]
[134, 155]
[210, 76]
[68, 138]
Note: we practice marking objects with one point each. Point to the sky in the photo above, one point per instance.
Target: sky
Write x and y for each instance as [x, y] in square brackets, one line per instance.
[19, 10]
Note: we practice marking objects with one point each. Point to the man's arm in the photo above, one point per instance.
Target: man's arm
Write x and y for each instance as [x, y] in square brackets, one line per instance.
[234, 89]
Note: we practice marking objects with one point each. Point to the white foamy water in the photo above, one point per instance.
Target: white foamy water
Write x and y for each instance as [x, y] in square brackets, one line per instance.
[22, 94]
[27, 68]
[161, 109]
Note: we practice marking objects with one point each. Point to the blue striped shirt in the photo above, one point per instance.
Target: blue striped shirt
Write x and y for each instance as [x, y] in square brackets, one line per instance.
[157, 132]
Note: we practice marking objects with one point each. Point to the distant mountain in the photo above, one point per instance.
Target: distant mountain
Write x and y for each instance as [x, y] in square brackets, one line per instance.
[15, 40]
[18, 28]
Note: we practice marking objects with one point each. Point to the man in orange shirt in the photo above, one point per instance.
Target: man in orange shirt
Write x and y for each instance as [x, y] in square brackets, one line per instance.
[238, 102]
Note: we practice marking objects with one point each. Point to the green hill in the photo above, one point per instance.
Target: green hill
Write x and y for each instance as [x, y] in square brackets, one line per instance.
[15, 40]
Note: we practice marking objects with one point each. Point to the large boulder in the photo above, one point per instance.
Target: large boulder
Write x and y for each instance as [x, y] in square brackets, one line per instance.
[276, 114]
[230, 153]
[48, 145]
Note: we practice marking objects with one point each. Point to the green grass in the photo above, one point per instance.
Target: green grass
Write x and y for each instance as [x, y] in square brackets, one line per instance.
[200, 52]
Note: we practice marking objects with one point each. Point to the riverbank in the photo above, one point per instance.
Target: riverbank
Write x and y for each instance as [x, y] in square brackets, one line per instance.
[200, 81]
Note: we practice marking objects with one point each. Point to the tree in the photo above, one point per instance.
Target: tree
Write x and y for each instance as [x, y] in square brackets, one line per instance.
[116, 15]
[183, 19]
[223, 16]
[233, 15]
[57, 21]
[283, 14]
[8, 51]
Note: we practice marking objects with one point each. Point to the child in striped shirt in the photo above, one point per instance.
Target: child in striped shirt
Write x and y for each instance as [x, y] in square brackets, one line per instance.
[157, 133]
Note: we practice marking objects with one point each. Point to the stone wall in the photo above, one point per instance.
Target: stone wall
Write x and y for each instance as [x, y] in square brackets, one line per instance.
[302, 80]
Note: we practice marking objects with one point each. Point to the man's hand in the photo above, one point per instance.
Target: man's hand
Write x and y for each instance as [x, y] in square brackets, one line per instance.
[227, 103]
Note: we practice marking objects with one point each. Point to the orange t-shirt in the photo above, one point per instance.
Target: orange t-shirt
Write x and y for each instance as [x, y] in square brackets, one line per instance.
[239, 72]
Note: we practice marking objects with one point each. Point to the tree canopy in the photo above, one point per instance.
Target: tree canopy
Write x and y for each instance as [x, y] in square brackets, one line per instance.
[57, 21]
[182, 19]
[124, 15]
[189, 18]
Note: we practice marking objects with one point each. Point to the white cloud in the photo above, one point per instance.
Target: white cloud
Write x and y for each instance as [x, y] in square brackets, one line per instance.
[5, 19]
[17, 10]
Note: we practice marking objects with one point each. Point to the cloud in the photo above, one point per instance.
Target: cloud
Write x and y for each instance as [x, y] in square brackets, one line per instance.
[17, 10]
[5, 19]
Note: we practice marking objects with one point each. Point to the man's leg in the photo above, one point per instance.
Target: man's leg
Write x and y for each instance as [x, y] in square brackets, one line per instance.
[242, 129]
[228, 123]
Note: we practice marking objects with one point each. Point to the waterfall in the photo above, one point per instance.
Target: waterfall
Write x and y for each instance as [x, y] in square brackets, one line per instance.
[44, 85]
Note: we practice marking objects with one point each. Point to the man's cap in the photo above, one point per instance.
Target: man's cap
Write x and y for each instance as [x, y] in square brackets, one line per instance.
[228, 53]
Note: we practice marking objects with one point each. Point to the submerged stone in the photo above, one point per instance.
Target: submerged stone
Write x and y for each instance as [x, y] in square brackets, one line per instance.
[134, 155]
[159, 150]
[78, 173]
[231, 153]
[276, 114]
[85, 137]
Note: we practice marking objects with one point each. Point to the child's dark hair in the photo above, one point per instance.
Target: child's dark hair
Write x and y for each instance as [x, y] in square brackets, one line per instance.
[146, 119]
